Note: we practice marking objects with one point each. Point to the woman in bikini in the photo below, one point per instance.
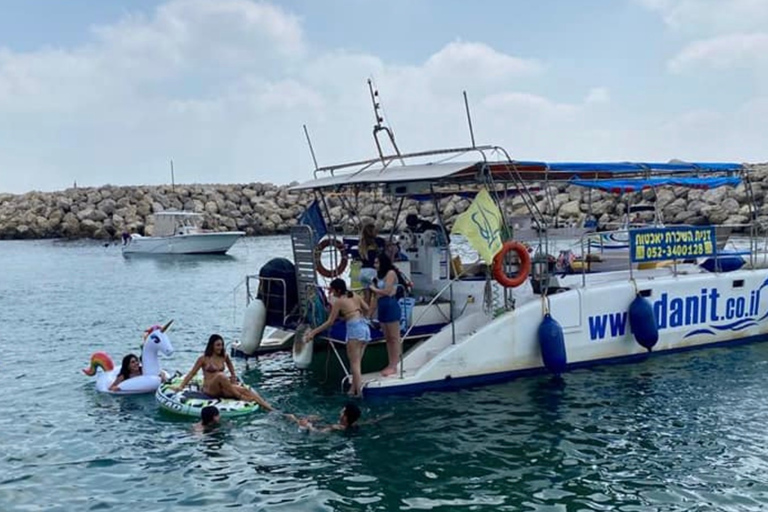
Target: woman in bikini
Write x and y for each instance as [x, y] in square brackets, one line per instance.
[352, 308]
[215, 382]
[130, 368]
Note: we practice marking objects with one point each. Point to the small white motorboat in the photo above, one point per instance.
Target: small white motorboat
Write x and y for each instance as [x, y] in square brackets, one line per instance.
[181, 233]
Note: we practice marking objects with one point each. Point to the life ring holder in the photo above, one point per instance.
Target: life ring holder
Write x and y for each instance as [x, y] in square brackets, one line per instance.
[525, 264]
[339, 246]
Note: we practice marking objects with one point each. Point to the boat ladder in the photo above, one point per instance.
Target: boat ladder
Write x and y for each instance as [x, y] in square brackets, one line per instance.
[303, 242]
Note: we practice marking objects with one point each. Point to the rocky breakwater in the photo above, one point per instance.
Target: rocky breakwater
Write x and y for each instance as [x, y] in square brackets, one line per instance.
[263, 209]
[105, 212]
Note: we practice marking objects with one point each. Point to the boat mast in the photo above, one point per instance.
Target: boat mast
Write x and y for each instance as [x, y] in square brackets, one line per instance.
[379, 127]
[311, 149]
[469, 120]
[173, 185]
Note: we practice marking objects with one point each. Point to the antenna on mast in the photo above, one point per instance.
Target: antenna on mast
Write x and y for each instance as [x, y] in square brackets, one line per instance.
[311, 149]
[469, 119]
[379, 126]
[173, 185]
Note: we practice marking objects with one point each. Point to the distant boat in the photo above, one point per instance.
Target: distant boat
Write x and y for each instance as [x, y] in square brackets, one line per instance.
[181, 233]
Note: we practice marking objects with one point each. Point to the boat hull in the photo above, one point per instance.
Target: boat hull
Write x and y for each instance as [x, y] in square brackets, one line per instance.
[198, 243]
[691, 311]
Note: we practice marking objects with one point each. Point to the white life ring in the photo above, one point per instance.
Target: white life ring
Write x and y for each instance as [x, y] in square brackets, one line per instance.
[191, 400]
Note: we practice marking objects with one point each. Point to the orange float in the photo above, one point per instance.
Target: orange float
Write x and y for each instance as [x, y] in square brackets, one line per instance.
[340, 268]
[525, 264]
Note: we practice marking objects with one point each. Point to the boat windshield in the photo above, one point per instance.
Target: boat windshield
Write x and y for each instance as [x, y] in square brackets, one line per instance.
[169, 224]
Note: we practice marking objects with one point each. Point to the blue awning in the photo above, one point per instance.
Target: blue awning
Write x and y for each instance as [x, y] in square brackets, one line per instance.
[638, 167]
[634, 185]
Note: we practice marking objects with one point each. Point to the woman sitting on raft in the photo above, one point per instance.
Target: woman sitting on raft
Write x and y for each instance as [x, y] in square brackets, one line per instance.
[215, 383]
[130, 368]
[352, 308]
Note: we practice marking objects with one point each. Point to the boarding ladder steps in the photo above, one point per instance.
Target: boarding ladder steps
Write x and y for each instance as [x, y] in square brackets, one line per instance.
[303, 242]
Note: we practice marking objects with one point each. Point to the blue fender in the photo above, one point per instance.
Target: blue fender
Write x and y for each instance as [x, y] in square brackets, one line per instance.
[642, 321]
[552, 344]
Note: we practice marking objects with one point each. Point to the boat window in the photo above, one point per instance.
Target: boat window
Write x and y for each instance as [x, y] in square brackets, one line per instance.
[738, 283]
[645, 293]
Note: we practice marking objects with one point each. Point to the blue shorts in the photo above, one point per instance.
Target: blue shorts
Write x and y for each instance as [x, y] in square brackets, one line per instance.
[358, 330]
[389, 310]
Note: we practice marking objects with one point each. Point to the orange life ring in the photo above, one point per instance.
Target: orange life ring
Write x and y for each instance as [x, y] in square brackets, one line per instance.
[339, 246]
[525, 265]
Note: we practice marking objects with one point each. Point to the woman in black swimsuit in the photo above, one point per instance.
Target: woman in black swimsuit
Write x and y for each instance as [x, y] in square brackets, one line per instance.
[215, 382]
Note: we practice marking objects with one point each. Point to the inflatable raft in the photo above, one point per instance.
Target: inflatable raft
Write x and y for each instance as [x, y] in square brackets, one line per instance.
[190, 400]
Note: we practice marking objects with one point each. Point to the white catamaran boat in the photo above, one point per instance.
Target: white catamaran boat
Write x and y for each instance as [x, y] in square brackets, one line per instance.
[515, 315]
[181, 233]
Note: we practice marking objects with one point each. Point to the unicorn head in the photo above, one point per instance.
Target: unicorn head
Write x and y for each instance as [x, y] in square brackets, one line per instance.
[155, 340]
[99, 360]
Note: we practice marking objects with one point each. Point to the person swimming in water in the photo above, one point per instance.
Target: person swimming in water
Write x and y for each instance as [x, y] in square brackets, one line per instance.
[209, 418]
[213, 362]
[348, 419]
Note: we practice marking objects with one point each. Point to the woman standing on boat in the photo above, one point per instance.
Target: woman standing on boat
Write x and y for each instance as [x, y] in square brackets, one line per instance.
[385, 290]
[368, 247]
[352, 308]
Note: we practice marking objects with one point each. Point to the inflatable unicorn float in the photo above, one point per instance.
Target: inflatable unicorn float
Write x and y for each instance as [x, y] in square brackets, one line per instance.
[155, 340]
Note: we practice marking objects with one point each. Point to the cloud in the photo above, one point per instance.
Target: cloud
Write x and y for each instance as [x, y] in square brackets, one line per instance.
[711, 16]
[724, 52]
[223, 88]
[476, 65]
[598, 95]
[185, 33]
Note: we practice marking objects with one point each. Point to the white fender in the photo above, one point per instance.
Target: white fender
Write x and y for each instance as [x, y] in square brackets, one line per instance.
[254, 319]
[302, 351]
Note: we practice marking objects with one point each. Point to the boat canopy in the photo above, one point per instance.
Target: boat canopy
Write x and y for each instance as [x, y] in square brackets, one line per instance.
[640, 167]
[446, 173]
[634, 185]
[166, 223]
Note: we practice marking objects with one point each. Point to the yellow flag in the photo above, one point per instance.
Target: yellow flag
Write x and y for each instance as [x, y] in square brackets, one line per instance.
[481, 225]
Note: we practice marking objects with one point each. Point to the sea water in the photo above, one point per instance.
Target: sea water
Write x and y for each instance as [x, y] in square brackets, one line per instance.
[679, 432]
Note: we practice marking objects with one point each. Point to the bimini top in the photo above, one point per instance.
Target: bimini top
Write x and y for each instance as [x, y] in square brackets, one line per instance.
[635, 185]
[453, 172]
[644, 167]
[579, 173]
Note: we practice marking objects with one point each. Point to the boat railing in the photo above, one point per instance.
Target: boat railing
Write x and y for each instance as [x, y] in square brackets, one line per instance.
[263, 289]
[591, 242]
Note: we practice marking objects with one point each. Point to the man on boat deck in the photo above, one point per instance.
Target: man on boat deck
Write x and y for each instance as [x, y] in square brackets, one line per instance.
[418, 225]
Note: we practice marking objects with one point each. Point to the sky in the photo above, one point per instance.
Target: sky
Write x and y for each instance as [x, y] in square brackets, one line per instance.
[109, 92]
